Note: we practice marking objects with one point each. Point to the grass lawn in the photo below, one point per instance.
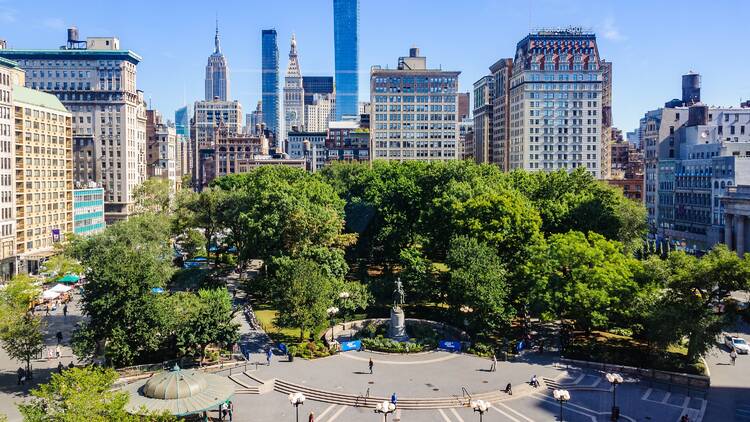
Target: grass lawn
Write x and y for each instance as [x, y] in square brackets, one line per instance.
[279, 335]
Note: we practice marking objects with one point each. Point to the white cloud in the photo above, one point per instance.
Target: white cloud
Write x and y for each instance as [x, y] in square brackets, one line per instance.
[609, 30]
[54, 23]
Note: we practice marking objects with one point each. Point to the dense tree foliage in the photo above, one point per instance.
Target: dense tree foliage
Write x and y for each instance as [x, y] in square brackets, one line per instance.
[20, 330]
[82, 394]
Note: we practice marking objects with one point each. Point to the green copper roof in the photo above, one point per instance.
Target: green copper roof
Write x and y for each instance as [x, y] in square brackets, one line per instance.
[8, 63]
[75, 54]
[36, 98]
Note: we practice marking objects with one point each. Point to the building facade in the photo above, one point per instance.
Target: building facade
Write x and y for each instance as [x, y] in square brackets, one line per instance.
[211, 120]
[316, 85]
[484, 91]
[414, 111]
[10, 75]
[320, 112]
[217, 73]
[44, 175]
[556, 102]
[294, 92]
[346, 52]
[161, 149]
[347, 141]
[736, 204]
[310, 146]
[499, 149]
[96, 81]
[88, 211]
[182, 122]
[467, 150]
[270, 80]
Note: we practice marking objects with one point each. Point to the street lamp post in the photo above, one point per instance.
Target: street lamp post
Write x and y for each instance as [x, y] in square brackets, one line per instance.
[332, 311]
[614, 379]
[562, 396]
[344, 296]
[480, 406]
[386, 408]
[296, 399]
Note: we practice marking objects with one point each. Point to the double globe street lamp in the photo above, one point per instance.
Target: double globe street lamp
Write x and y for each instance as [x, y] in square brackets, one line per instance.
[296, 399]
[614, 379]
[332, 311]
[562, 396]
[386, 408]
[480, 406]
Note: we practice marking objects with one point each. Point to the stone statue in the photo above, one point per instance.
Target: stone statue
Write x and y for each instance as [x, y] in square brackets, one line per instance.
[398, 294]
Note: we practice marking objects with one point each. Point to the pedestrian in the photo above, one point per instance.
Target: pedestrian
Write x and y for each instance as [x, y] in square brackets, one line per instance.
[493, 368]
[231, 410]
[268, 356]
[65, 311]
[46, 310]
[60, 367]
[394, 399]
[684, 418]
[70, 365]
[370, 365]
[21, 375]
[534, 381]
[509, 389]
[222, 411]
[733, 356]
[311, 417]
[59, 337]
[57, 351]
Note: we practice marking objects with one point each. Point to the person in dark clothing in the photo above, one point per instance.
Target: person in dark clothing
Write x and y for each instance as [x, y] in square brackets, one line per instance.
[370, 365]
[59, 337]
[70, 365]
[394, 399]
[509, 389]
[65, 310]
[60, 367]
[21, 375]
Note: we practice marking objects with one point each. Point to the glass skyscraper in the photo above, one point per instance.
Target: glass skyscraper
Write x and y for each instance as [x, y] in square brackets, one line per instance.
[346, 47]
[182, 122]
[270, 80]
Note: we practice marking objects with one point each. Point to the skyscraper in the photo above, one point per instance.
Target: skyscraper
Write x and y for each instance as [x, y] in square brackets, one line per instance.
[182, 122]
[294, 93]
[346, 49]
[217, 73]
[270, 80]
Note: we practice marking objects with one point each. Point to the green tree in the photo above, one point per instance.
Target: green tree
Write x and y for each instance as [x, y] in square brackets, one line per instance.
[477, 290]
[22, 339]
[589, 279]
[417, 276]
[82, 394]
[202, 211]
[123, 264]
[303, 294]
[193, 243]
[694, 288]
[62, 264]
[208, 321]
[153, 195]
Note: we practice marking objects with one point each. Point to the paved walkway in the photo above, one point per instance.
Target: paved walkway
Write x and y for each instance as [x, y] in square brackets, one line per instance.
[253, 341]
[729, 396]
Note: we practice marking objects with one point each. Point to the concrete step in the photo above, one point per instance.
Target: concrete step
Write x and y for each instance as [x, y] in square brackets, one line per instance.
[346, 399]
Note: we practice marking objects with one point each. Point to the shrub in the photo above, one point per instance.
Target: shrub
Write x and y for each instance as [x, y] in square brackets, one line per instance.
[481, 349]
[380, 344]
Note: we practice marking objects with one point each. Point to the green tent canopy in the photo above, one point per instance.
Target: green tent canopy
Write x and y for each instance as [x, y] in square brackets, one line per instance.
[69, 279]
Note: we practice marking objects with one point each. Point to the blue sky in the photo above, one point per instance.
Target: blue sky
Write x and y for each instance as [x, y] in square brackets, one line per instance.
[651, 43]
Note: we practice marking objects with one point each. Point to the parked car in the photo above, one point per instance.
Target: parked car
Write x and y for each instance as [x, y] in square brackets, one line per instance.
[738, 344]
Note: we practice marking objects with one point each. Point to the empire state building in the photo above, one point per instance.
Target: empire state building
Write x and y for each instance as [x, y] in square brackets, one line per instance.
[217, 73]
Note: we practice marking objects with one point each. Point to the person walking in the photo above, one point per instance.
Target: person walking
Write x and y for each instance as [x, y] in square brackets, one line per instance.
[534, 381]
[46, 310]
[311, 417]
[370, 365]
[21, 375]
[509, 389]
[230, 407]
[59, 337]
[57, 351]
[268, 356]
[493, 368]
[60, 367]
[70, 365]
[733, 356]
[65, 311]
[394, 399]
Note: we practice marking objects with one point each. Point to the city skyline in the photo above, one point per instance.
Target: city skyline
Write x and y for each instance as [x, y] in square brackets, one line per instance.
[633, 41]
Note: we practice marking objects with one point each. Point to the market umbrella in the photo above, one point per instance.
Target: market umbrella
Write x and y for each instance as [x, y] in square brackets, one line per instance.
[69, 279]
[178, 392]
[50, 295]
[61, 288]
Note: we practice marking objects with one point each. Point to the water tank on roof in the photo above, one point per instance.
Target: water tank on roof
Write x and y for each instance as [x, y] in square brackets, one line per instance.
[691, 88]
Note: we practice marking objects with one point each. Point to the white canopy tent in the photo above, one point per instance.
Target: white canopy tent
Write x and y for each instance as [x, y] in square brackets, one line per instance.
[61, 288]
[50, 295]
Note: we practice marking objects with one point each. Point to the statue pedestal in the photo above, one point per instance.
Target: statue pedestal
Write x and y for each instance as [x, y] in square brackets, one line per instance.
[397, 329]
